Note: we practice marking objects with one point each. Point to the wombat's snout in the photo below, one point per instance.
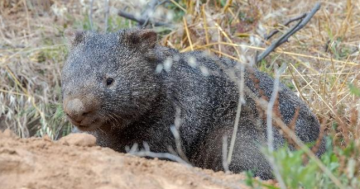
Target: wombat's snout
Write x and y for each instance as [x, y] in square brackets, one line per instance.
[81, 112]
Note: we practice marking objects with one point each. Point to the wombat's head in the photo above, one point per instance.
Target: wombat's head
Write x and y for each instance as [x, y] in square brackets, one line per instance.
[109, 78]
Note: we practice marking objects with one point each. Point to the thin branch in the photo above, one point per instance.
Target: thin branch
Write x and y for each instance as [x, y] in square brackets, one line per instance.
[175, 131]
[269, 128]
[284, 38]
[271, 34]
[147, 153]
[90, 14]
[140, 21]
[107, 9]
[146, 14]
[144, 20]
[224, 154]
[241, 84]
[178, 143]
[152, 8]
[270, 107]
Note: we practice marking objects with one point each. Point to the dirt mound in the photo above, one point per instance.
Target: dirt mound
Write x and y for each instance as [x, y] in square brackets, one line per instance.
[75, 162]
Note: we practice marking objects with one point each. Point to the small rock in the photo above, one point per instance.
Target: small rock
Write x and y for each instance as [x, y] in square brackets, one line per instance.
[47, 138]
[78, 139]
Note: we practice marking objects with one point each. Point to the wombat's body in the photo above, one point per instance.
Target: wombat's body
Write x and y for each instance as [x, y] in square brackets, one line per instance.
[111, 88]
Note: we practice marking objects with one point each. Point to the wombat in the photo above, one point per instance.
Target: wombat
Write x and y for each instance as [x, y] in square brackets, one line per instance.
[125, 88]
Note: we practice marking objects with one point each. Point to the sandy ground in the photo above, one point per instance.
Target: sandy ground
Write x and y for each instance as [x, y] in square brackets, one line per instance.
[75, 162]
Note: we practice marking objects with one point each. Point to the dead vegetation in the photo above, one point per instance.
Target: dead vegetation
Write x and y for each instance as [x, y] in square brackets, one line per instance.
[323, 59]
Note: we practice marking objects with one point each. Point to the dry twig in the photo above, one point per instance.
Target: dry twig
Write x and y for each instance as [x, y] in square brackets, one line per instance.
[107, 9]
[285, 24]
[144, 20]
[269, 128]
[284, 38]
[90, 14]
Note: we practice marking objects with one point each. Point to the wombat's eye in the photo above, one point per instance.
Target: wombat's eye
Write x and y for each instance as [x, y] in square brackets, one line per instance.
[109, 81]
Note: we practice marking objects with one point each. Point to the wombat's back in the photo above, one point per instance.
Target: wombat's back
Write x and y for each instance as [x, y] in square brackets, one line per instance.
[207, 88]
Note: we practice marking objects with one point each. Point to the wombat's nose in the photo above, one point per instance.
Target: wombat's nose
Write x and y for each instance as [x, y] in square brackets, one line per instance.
[76, 110]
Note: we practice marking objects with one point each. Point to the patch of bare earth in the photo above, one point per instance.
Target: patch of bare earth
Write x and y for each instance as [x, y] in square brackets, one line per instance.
[75, 162]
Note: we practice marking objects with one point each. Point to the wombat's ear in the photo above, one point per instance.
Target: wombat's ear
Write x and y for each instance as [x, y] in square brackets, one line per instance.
[141, 38]
[76, 37]
[79, 37]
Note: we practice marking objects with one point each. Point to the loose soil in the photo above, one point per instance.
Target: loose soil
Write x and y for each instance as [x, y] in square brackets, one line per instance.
[75, 162]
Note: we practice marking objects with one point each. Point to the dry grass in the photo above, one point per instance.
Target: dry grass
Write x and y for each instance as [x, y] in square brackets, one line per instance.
[323, 58]
[32, 51]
